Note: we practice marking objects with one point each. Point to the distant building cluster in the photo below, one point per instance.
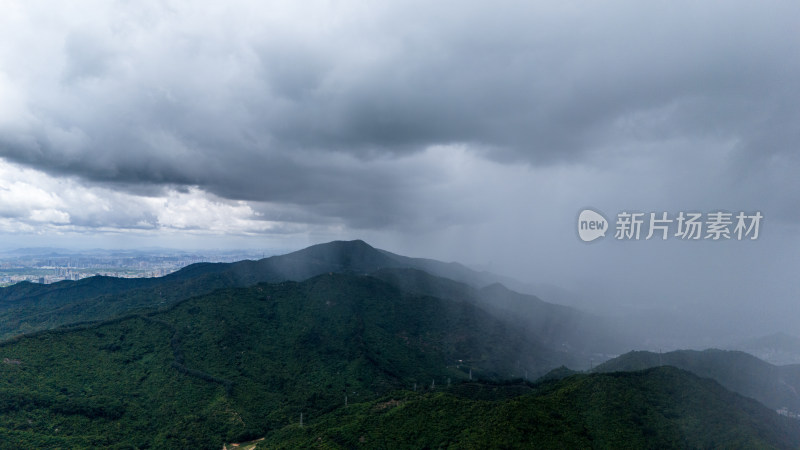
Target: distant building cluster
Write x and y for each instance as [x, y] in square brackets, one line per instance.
[785, 412]
[67, 274]
[52, 268]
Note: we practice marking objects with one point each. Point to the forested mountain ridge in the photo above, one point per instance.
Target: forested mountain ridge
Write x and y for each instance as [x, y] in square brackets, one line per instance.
[27, 307]
[774, 386]
[659, 408]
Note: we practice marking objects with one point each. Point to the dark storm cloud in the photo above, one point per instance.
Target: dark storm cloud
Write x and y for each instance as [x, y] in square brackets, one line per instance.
[273, 105]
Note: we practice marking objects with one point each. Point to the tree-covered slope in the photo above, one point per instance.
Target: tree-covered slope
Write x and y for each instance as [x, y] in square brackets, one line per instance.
[559, 327]
[29, 307]
[240, 362]
[658, 408]
[364, 362]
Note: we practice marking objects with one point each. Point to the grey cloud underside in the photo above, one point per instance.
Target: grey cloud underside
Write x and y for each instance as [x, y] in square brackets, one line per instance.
[281, 117]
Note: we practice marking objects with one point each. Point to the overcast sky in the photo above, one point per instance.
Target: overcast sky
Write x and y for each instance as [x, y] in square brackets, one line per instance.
[469, 131]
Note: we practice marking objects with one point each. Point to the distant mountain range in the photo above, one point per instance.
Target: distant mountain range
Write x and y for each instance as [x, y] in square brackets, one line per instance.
[778, 348]
[774, 386]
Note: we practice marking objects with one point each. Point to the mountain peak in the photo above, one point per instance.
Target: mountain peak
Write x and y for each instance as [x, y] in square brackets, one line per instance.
[356, 245]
